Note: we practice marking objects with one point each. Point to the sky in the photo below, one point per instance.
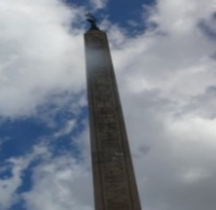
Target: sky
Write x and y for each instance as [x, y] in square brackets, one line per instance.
[165, 63]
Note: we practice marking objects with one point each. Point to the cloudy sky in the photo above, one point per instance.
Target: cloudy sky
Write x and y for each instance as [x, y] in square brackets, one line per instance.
[165, 60]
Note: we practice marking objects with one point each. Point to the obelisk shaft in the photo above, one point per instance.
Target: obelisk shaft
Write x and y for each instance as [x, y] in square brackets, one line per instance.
[113, 175]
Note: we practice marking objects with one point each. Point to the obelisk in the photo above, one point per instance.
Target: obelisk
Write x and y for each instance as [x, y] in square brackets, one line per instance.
[113, 174]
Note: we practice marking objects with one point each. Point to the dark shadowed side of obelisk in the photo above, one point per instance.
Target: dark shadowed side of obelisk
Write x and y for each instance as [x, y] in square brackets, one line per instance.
[113, 175]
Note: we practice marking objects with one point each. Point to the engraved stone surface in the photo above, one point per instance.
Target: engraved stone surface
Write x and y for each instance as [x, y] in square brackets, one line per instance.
[114, 181]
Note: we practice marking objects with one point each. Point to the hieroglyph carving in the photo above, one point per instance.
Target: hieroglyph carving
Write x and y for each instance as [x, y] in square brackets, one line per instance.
[111, 155]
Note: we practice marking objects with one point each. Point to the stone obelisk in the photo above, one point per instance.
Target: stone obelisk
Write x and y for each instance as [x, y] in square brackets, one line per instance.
[113, 175]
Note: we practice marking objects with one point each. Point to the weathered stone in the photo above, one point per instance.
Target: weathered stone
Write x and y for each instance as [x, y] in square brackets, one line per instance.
[114, 181]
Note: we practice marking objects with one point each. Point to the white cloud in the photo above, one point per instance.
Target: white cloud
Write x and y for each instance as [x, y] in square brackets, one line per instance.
[66, 129]
[57, 182]
[60, 183]
[9, 184]
[193, 128]
[98, 4]
[38, 54]
[180, 17]
[194, 175]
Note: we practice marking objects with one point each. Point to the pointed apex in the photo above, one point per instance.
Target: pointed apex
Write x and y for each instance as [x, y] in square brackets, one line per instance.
[92, 20]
